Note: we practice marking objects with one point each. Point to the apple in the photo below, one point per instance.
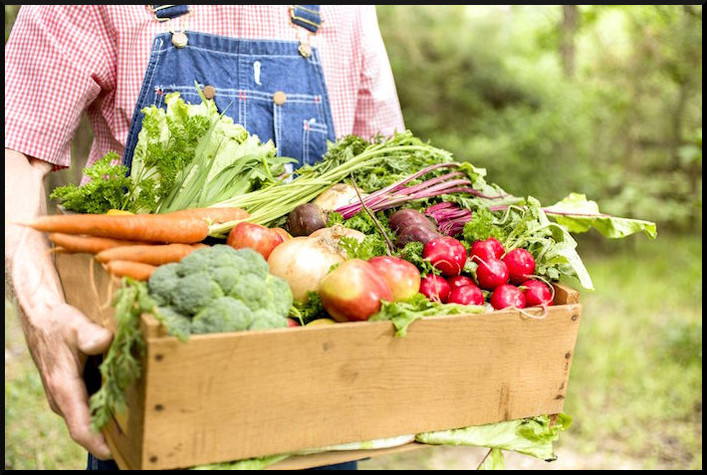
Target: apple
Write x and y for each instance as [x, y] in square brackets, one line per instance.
[291, 322]
[402, 276]
[254, 236]
[285, 235]
[320, 321]
[353, 291]
[435, 288]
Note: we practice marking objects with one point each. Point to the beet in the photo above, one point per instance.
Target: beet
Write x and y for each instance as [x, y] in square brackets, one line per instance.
[305, 219]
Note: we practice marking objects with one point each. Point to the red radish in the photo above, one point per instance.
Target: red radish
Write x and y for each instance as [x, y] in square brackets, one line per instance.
[507, 295]
[435, 288]
[536, 293]
[291, 322]
[466, 295]
[521, 265]
[486, 249]
[459, 281]
[491, 273]
[446, 254]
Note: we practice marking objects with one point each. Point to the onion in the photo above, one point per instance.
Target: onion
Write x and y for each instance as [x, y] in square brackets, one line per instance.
[337, 231]
[341, 194]
[304, 261]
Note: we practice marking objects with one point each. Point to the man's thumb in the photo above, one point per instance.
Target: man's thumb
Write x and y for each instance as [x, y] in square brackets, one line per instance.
[93, 339]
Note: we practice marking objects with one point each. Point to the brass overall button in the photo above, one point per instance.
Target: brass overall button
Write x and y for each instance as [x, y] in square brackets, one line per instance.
[279, 98]
[209, 92]
[179, 39]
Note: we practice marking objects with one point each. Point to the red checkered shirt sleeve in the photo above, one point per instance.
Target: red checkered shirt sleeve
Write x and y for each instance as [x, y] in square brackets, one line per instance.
[377, 108]
[58, 61]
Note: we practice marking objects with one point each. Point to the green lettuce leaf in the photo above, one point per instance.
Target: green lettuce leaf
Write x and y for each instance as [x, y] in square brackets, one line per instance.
[532, 436]
[578, 215]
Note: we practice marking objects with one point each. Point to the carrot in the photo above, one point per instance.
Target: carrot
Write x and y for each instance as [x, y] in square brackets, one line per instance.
[214, 215]
[73, 243]
[136, 270]
[137, 227]
[153, 254]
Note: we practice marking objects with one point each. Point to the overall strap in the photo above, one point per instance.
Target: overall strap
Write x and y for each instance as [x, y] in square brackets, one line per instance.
[167, 12]
[306, 16]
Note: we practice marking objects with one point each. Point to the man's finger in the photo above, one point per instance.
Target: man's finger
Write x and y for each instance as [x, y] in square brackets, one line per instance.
[72, 399]
[93, 339]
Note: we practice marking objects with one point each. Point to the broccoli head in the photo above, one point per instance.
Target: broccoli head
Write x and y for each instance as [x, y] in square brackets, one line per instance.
[195, 292]
[163, 283]
[225, 314]
[264, 319]
[177, 324]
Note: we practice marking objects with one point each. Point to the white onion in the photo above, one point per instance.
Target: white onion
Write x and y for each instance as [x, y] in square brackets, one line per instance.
[340, 194]
[304, 261]
[337, 231]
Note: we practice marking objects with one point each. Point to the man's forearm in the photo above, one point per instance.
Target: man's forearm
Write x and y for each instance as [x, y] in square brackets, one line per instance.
[27, 253]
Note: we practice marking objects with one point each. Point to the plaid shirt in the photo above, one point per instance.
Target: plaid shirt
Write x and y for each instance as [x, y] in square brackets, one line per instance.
[64, 60]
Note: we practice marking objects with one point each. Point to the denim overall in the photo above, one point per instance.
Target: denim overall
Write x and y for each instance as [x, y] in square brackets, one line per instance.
[275, 89]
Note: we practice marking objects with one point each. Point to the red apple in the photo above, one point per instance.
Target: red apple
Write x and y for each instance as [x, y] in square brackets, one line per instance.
[402, 276]
[435, 288]
[254, 236]
[466, 295]
[291, 322]
[353, 291]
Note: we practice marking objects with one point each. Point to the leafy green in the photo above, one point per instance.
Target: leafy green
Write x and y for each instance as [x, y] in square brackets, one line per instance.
[578, 215]
[403, 313]
[311, 309]
[532, 436]
[105, 190]
[121, 365]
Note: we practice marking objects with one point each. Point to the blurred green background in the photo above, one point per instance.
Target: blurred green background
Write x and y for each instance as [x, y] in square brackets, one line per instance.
[596, 99]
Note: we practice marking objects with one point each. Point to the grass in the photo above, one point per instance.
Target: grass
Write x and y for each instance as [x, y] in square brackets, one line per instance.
[635, 389]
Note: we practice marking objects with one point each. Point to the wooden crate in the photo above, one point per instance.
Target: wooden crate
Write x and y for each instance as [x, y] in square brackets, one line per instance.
[231, 396]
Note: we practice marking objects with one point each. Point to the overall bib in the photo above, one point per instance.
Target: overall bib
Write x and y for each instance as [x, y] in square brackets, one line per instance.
[275, 89]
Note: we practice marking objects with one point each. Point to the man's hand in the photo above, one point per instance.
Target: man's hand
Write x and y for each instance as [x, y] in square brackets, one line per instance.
[59, 339]
[59, 336]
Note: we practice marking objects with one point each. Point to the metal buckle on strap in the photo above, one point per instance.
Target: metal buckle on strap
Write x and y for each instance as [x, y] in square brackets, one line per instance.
[310, 21]
[179, 38]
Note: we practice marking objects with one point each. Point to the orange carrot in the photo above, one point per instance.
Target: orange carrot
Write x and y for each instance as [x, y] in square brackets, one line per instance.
[73, 243]
[153, 254]
[136, 270]
[137, 227]
[214, 215]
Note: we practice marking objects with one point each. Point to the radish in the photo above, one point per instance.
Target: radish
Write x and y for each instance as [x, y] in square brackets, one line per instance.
[446, 254]
[486, 249]
[536, 293]
[507, 295]
[466, 295]
[521, 265]
[491, 273]
[435, 288]
[459, 281]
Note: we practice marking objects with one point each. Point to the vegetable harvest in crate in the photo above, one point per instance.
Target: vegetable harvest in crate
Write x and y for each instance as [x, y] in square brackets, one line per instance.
[210, 233]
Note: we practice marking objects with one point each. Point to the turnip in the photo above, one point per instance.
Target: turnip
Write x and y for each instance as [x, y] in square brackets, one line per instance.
[491, 273]
[536, 293]
[435, 288]
[521, 265]
[507, 295]
[446, 254]
[466, 295]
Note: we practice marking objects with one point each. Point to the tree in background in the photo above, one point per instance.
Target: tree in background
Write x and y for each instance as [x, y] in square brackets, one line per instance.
[602, 100]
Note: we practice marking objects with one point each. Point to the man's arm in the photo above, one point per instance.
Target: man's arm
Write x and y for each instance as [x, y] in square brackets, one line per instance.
[59, 337]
